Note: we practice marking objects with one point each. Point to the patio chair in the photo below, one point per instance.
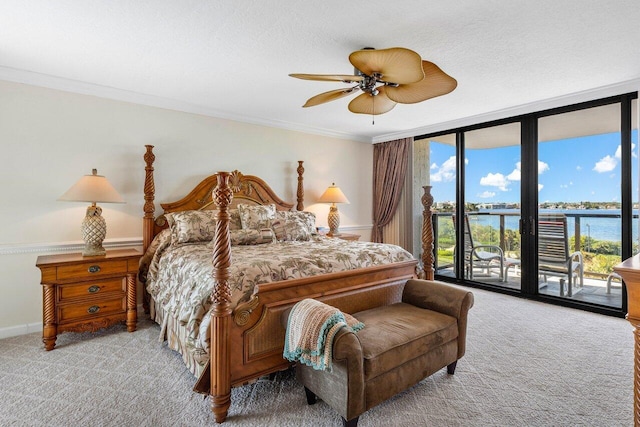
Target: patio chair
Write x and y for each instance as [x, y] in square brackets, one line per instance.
[554, 258]
[483, 257]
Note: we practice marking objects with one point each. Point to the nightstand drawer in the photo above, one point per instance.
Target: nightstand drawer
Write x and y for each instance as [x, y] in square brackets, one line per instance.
[92, 288]
[98, 308]
[91, 268]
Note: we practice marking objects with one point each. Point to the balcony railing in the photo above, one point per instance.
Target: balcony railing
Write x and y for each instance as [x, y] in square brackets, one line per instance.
[581, 224]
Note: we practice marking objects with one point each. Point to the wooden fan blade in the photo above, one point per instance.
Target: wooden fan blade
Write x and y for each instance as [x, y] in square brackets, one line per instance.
[395, 65]
[435, 83]
[347, 78]
[332, 95]
[372, 105]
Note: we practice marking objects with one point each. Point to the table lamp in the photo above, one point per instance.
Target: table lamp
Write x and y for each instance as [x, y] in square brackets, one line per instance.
[333, 195]
[93, 188]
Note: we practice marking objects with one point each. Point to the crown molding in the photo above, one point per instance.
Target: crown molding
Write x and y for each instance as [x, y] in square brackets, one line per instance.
[75, 86]
[546, 104]
[83, 88]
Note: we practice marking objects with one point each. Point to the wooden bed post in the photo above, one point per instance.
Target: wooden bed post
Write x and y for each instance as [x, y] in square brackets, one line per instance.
[149, 196]
[149, 212]
[221, 299]
[300, 195]
[427, 233]
[629, 270]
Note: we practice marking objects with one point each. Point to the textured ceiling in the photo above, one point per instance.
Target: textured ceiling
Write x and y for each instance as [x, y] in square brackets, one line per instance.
[231, 59]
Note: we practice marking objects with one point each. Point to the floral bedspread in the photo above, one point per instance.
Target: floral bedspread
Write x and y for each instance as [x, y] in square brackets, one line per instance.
[180, 278]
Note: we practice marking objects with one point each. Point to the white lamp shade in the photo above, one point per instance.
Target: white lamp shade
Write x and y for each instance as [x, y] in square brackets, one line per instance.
[333, 194]
[92, 188]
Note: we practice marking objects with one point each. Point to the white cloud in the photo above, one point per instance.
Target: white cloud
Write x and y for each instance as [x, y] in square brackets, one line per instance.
[618, 154]
[540, 187]
[446, 172]
[516, 174]
[609, 163]
[495, 180]
[578, 168]
[486, 194]
[542, 167]
[605, 164]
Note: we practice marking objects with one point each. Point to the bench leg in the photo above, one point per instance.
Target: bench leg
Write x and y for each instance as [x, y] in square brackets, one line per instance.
[311, 397]
[451, 368]
[351, 423]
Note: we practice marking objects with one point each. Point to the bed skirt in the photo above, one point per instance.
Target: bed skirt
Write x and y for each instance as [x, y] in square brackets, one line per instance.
[175, 334]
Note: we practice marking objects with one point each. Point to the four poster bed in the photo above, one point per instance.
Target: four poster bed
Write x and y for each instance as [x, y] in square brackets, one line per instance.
[222, 311]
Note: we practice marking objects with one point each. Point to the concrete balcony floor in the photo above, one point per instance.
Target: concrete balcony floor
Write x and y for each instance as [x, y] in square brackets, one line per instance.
[594, 289]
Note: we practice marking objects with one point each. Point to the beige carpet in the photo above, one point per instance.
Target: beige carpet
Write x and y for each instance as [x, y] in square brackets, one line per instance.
[527, 364]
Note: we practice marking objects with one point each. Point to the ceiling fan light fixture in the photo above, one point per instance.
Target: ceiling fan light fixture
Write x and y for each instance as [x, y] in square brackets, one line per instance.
[366, 103]
[394, 75]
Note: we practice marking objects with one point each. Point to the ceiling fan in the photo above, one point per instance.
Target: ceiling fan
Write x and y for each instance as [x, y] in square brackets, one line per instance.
[387, 77]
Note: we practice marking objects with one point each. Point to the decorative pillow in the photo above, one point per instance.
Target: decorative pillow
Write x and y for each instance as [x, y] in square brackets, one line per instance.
[278, 228]
[296, 225]
[198, 226]
[307, 219]
[252, 237]
[256, 217]
[234, 220]
[191, 226]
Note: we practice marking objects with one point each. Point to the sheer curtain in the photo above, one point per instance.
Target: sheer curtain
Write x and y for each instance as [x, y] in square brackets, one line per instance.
[399, 230]
[390, 164]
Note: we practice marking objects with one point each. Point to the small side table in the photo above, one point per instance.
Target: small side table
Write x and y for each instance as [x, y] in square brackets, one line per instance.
[87, 293]
[345, 236]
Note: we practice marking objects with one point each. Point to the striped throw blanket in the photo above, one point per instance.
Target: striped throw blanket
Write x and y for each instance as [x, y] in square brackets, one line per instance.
[310, 331]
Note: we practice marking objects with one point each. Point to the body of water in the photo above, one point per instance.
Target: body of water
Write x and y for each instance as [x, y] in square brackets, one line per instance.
[593, 222]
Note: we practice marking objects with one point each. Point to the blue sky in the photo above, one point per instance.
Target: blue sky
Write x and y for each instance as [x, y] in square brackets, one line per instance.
[569, 170]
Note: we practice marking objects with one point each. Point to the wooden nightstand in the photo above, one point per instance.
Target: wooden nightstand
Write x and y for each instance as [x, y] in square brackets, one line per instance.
[345, 236]
[87, 293]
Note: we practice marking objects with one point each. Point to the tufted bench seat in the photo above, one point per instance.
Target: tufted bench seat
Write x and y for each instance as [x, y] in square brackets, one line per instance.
[400, 345]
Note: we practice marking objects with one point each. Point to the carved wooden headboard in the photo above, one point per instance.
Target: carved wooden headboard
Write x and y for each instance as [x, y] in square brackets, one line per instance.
[247, 189]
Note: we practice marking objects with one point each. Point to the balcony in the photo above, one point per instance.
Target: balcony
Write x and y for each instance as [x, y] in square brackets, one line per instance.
[596, 235]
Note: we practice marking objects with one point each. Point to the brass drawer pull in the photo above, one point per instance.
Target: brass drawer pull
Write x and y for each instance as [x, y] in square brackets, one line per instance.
[93, 309]
[94, 269]
[93, 289]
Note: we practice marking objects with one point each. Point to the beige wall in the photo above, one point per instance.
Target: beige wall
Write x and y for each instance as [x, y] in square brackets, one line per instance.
[49, 138]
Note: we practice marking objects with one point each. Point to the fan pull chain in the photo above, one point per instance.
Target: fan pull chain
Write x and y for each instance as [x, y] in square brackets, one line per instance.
[373, 110]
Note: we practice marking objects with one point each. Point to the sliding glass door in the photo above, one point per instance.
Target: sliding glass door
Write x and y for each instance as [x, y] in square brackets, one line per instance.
[579, 216]
[544, 204]
[491, 214]
[442, 176]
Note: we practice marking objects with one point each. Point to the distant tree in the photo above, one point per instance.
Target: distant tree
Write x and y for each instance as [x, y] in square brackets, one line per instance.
[511, 240]
[471, 207]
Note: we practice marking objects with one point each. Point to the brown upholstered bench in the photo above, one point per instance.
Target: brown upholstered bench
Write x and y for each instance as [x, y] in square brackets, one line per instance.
[400, 345]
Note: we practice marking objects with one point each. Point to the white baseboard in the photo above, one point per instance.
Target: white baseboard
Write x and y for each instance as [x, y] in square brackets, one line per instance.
[14, 331]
